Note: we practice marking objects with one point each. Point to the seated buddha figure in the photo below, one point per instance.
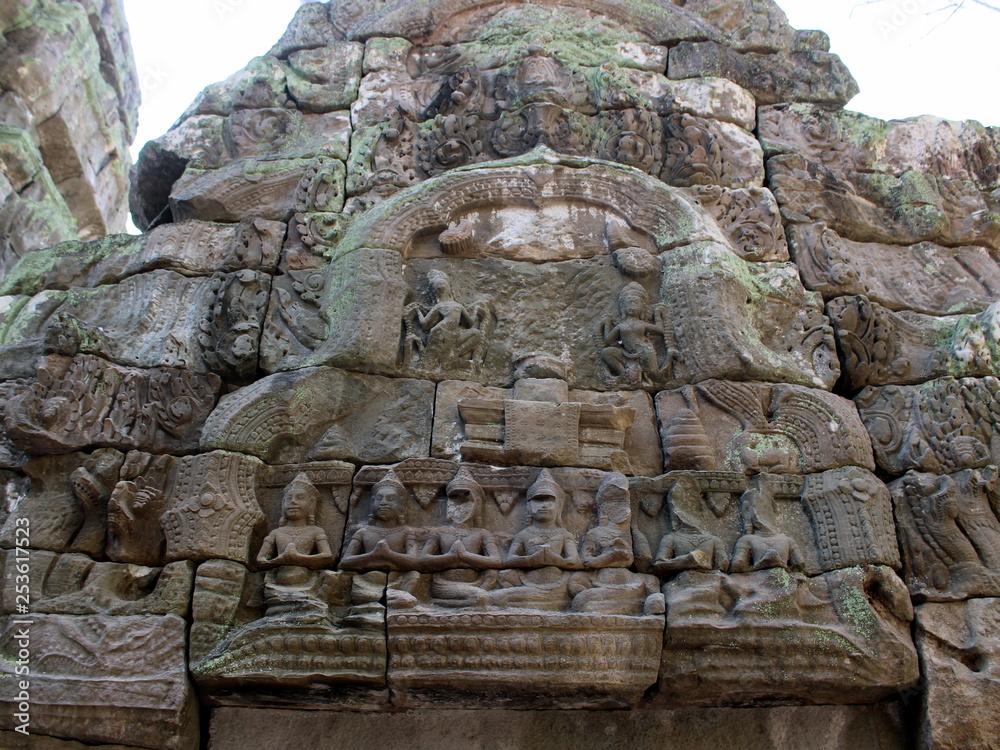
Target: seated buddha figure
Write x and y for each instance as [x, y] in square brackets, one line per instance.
[385, 542]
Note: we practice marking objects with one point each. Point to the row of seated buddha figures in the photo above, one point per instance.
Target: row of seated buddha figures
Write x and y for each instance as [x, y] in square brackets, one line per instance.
[508, 574]
[543, 565]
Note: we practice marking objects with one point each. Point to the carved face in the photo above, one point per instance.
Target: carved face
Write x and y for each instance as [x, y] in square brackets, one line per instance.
[543, 508]
[387, 505]
[615, 506]
[297, 505]
[461, 506]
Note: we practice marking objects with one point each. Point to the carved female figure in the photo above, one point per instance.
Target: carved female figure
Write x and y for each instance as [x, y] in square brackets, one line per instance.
[629, 348]
[448, 332]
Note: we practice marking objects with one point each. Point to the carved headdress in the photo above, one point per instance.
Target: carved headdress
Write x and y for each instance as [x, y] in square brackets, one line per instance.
[545, 485]
[302, 483]
[464, 480]
[390, 481]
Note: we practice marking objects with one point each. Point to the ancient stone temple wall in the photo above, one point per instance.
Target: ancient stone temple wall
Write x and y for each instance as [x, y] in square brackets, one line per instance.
[69, 98]
[569, 374]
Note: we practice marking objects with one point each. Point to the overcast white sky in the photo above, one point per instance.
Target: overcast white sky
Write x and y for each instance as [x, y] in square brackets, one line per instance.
[907, 63]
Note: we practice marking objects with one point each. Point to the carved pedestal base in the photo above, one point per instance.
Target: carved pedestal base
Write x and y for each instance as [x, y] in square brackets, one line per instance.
[489, 658]
[770, 636]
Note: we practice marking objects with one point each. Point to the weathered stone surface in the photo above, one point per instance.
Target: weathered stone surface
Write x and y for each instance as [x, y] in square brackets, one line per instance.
[722, 521]
[151, 320]
[516, 517]
[958, 646]
[843, 636]
[324, 79]
[878, 727]
[583, 428]
[269, 189]
[368, 419]
[250, 630]
[212, 508]
[190, 248]
[925, 277]
[74, 584]
[754, 427]
[739, 321]
[310, 28]
[850, 141]
[84, 401]
[535, 638]
[214, 141]
[941, 427]
[750, 217]
[703, 152]
[949, 533]
[344, 314]
[882, 347]
[71, 88]
[327, 489]
[449, 21]
[577, 208]
[124, 682]
[65, 509]
[809, 76]
[880, 207]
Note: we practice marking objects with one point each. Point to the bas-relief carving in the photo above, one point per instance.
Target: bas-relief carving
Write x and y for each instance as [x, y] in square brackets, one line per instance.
[723, 521]
[703, 152]
[190, 248]
[444, 333]
[882, 347]
[155, 319]
[85, 401]
[66, 506]
[250, 629]
[872, 207]
[550, 425]
[848, 141]
[73, 584]
[535, 518]
[504, 611]
[270, 189]
[212, 510]
[750, 217]
[450, 22]
[336, 314]
[925, 277]
[811, 75]
[608, 199]
[87, 670]
[757, 427]
[209, 142]
[949, 533]
[741, 321]
[941, 427]
[351, 417]
[775, 636]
